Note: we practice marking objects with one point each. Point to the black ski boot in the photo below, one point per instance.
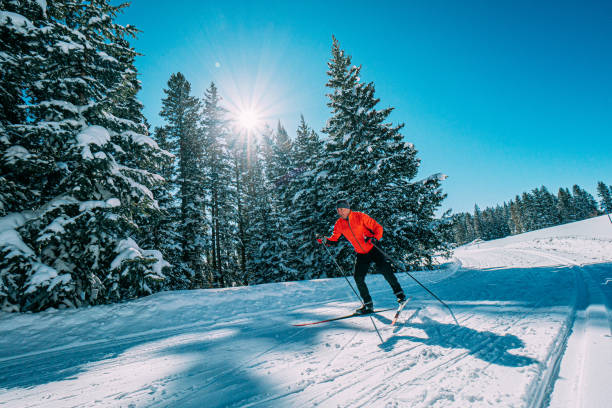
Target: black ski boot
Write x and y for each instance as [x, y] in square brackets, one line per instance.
[367, 308]
[401, 298]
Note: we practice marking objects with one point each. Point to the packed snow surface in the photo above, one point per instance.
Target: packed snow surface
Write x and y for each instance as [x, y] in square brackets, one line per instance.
[534, 314]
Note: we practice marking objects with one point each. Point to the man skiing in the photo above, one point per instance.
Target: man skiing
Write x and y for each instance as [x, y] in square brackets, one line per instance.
[360, 230]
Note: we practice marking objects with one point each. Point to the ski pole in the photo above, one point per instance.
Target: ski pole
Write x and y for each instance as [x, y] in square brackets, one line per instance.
[354, 291]
[342, 273]
[416, 280]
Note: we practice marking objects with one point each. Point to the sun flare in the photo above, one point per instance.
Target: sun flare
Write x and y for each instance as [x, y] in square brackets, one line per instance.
[248, 119]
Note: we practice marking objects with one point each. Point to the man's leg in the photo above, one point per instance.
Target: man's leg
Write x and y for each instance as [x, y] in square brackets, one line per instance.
[362, 264]
[384, 267]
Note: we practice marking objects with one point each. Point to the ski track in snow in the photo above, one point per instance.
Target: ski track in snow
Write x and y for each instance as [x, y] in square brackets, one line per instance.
[534, 313]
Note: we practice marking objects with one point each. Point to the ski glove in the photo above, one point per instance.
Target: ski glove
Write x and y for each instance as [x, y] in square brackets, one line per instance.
[371, 240]
[322, 240]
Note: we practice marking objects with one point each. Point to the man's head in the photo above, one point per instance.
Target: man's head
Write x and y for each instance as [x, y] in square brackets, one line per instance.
[343, 208]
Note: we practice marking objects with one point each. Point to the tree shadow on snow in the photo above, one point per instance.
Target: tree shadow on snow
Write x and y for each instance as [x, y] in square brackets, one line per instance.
[487, 346]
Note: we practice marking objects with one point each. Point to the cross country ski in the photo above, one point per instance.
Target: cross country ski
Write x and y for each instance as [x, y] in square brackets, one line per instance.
[342, 317]
[399, 310]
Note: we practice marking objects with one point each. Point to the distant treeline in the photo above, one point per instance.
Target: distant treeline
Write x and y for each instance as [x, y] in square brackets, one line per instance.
[531, 211]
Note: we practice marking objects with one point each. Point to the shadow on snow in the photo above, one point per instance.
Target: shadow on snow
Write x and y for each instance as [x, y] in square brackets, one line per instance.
[487, 346]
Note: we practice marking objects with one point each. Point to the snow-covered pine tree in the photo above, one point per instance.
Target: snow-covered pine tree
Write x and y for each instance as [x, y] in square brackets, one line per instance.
[545, 210]
[487, 223]
[21, 27]
[368, 162]
[477, 222]
[142, 158]
[307, 214]
[279, 167]
[500, 220]
[181, 112]
[528, 211]
[515, 214]
[222, 260]
[489, 226]
[164, 225]
[605, 197]
[238, 161]
[509, 223]
[565, 206]
[264, 262]
[73, 242]
[584, 203]
[460, 232]
[469, 227]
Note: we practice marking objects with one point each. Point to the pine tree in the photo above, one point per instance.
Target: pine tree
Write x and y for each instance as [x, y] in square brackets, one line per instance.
[469, 223]
[165, 230]
[307, 214]
[510, 226]
[565, 206]
[367, 161]
[605, 196]
[515, 213]
[264, 262]
[528, 212]
[478, 223]
[218, 180]
[238, 149]
[181, 111]
[22, 25]
[74, 237]
[279, 169]
[460, 231]
[584, 203]
[545, 212]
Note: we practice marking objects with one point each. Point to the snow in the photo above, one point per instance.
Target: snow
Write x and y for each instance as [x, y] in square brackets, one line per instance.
[21, 23]
[15, 153]
[113, 202]
[128, 249]
[140, 139]
[105, 56]
[534, 331]
[43, 5]
[116, 170]
[44, 274]
[437, 176]
[67, 46]
[93, 135]
[10, 238]
[56, 203]
[62, 104]
[90, 205]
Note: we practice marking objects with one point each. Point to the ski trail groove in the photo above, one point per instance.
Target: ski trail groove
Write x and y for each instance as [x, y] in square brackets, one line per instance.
[541, 389]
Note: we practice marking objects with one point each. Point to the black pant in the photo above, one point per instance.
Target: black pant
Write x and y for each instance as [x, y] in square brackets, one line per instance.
[362, 265]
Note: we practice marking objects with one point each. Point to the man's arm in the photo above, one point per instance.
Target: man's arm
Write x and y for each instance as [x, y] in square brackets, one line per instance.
[373, 226]
[333, 240]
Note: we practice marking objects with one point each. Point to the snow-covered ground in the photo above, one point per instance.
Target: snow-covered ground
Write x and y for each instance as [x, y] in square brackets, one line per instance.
[535, 330]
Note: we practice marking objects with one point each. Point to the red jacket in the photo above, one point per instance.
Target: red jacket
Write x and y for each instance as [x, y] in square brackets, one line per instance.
[356, 229]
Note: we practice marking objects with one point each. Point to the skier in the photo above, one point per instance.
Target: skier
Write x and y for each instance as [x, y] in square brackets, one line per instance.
[360, 230]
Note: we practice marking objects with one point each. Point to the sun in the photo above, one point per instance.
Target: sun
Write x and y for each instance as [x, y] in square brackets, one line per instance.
[248, 119]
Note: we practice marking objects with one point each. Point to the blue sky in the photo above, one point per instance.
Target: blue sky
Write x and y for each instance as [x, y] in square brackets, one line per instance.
[500, 96]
